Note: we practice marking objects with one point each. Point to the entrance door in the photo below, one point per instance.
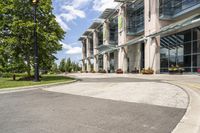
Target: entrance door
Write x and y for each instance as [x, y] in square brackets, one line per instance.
[112, 63]
[142, 56]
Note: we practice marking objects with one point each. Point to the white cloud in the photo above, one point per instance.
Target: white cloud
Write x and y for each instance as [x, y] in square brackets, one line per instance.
[62, 23]
[74, 50]
[72, 13]
[71, 50]
[80, 3]
[101, 5]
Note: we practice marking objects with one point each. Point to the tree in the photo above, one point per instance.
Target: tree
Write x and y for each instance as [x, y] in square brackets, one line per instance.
[16, 33]
[68, 65]
[54, 68]
[62, 65]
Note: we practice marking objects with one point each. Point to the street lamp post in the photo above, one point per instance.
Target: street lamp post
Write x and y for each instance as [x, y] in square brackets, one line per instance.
[36, 65]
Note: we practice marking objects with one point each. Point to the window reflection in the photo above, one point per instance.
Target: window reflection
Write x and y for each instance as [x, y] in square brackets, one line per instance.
[181, 49]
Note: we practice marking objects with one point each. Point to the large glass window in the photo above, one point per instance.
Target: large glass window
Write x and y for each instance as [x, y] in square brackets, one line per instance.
[182, 50]
[169, 8]
[100, 35]
[135, 13]
[114, 30]
[91, 47]
[100, 62]
[85, 49]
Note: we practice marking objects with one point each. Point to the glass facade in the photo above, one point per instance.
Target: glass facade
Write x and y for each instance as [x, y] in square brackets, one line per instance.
[182, 50]
[114, 31]
[100, 36]
[85, 49]
[170, 8]
[91, 47]
[135, 15]
[100, 62]
[112, 63]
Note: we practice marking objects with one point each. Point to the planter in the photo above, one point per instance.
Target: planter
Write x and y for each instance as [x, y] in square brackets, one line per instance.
[119, 71]
[176, 70]
[102, 71]
[148, 71]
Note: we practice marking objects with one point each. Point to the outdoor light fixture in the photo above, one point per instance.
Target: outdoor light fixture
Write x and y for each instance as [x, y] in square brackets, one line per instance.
[35, 1]
[36, 64]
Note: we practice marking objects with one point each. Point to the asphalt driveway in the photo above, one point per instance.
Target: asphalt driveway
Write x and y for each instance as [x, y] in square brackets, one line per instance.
[39, 111]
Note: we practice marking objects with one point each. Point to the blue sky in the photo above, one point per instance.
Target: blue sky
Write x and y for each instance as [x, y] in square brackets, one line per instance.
[75, 16]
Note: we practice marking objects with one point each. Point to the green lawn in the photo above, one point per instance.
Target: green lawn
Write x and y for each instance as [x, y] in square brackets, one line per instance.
[47, 79]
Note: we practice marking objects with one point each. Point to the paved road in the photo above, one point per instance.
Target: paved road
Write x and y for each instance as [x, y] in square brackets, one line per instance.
[39, 111]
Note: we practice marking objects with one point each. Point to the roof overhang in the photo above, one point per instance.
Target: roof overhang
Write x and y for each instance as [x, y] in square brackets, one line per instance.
[106, 49]
[191, 21]
[95, 25]
[88, 32]
[91, 57]
[133, 41]
[107, 13]
[124, 1]
[82, 38]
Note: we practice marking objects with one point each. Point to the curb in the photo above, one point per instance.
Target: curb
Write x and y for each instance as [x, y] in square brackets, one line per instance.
[190, 123]
[26, 88]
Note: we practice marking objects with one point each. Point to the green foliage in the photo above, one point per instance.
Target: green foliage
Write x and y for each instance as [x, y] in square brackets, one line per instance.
[69, 66]
[54, 68]
[62, 65]
[10, 75]
[17, 38]
[46, 79]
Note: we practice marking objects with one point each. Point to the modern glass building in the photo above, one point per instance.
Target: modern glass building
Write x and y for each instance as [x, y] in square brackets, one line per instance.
[142, 34]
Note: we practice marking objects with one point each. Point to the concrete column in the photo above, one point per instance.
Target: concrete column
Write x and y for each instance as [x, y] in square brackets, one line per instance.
[116, 60]
[95, 42]
[88, 54]
[83, 66]
[106, 62]
[122, 57]
[106, 39]
[152, 25]
[152, 54]
[83, 55]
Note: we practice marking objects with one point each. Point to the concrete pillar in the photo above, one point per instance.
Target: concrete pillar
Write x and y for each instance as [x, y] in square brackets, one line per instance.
[88, 54]
[116, 60]
[83, 55]
[106, 39]
[122, 56]
[152, 54]
[83, 66]
[152, 25]
[95, 42]
[106, 62]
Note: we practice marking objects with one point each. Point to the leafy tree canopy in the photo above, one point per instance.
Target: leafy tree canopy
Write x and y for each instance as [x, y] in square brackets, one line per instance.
[17, 38]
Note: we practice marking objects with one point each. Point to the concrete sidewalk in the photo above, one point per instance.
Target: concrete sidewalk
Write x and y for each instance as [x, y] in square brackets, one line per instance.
[129, 90]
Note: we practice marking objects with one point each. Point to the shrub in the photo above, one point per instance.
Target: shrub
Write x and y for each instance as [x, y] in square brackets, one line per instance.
[175, 69]
[148, 71]
[102, 71]
[10, 75]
